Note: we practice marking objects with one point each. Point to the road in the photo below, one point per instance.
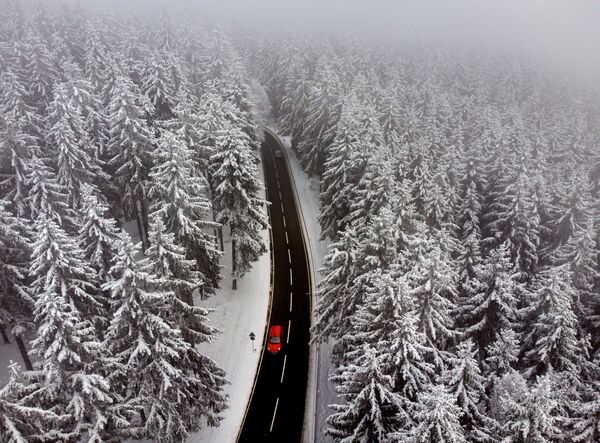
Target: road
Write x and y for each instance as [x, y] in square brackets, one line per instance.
[276, 411]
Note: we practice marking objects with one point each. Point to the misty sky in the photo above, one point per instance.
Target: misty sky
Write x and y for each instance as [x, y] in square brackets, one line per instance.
[564, 31]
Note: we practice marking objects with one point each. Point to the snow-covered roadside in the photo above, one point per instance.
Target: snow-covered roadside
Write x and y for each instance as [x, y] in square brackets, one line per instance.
[237, 313]
[317, 400]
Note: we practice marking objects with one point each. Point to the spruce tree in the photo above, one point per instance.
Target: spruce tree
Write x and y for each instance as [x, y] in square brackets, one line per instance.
[153, 369]
[179, 198]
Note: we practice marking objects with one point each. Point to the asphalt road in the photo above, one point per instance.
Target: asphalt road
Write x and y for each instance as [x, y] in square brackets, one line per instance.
[276, 411]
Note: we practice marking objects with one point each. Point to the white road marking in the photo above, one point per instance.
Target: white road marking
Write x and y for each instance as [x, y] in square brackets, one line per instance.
[274, 413]
[290, 310]
[289, 256]
[284, 225]
[283, 369]
[291, 280]
[280, 197]
[287, 240]
[289, 329]
[281, 204]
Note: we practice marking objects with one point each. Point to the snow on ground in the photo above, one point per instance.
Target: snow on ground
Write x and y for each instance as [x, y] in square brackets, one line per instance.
[317, 401]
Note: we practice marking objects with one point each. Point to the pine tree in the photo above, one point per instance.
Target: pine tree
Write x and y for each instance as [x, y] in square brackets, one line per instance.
[152, 368]
[166, 262]
[129, 146]
[322, 114]
[236, 198]
[492, 307]
[552, 341]
[178, 194]
[70, 356]
[98, 235]
[437, 418]
[21, 420]
[388, 322]
[336, 299]
[464, 381]
[69, 142]
[371, 410]
[529, 415]
[433, 286]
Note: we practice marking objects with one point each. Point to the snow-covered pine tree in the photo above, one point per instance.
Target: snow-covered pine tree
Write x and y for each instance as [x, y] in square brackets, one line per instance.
[529, 415]
[433, 286]
[552, 340]
[437, 418]
[512, 219]
[152, 368]
[345, 161]
[157, 85]
[322, 114]
[129, 147]
[463, 380]
[492, 304]
[70, 356]
[21, 418]
[41, 70]
[16, 303]
[235, 184]
[178, 196]
[387, 321]
[21, 130]
[371, 410]
[99, 234]
[165, 261]
[47, 196]
[336, 298]
[69, 143]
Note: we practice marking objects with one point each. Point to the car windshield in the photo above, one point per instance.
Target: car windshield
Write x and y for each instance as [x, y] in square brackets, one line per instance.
[274, 340]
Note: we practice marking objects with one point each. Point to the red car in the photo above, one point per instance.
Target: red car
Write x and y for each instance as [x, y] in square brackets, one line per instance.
[274, 342]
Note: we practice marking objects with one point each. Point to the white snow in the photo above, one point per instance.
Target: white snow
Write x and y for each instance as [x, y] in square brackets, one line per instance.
[317, 400]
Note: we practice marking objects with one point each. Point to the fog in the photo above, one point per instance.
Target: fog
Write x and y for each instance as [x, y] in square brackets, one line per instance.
[566, 33]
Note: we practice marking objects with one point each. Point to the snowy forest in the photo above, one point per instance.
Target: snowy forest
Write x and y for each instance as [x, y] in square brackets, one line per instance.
[106, 120]
[461, 193]
[459, 189]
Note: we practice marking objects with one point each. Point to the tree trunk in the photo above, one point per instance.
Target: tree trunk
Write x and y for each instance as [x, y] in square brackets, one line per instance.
[24, 354]
[140, 224]
[221, 239]
[233, 264]
[4, 336]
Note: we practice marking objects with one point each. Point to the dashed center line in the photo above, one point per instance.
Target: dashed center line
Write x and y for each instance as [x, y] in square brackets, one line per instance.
[291, 296]
[289, 329]
[280, 197]
[283, 369]
[281, 204]
[289, 257]
[274, 414]
[291, 280]
[284, 225]
[287, 240]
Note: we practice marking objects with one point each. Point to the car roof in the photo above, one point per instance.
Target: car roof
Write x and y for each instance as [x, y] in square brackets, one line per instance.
[275, 330]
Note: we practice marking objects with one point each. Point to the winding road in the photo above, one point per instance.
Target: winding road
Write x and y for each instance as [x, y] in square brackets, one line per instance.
[276, 411]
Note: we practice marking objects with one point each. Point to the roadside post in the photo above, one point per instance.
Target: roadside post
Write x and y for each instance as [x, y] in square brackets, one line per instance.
[252, 338]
